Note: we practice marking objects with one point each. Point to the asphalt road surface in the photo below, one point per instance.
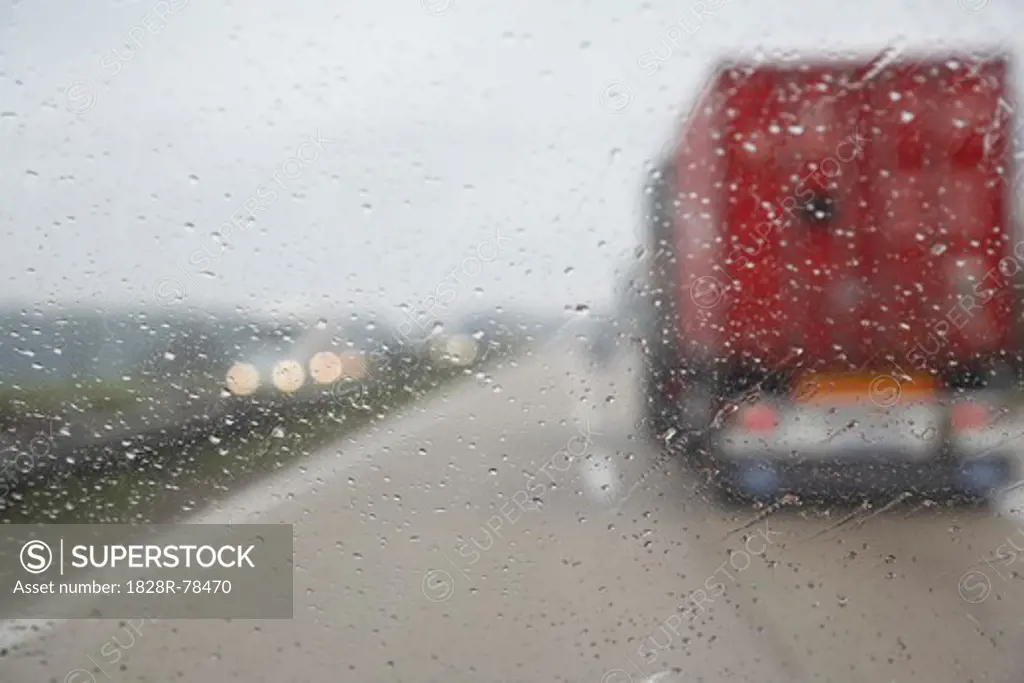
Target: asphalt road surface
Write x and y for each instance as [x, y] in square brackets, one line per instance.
[519, 529]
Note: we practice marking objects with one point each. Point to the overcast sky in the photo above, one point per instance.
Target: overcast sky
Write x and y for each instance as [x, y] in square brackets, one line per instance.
[132, 130]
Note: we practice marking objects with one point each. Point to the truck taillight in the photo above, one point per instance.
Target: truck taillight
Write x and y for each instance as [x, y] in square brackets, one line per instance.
[967, 416]
[758, 418]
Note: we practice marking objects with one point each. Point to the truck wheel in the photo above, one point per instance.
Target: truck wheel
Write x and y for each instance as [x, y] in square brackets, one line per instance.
[726, 491]
[728, 496]
[674, 423]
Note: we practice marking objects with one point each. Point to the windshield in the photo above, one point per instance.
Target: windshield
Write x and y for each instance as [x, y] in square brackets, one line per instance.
[575, 341]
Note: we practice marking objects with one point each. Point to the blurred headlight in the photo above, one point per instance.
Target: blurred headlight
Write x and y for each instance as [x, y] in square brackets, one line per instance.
[437, 349]
[242, 379]
[325, 367]
[353, 365]
[288, 376]
[462, 350]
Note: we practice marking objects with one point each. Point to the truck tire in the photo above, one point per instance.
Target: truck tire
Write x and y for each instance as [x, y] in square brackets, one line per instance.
[667, 418]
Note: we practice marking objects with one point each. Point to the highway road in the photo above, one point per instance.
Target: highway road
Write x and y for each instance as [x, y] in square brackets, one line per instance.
[518, 529]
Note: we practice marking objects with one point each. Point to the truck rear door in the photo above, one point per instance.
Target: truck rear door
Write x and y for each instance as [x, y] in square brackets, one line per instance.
[796, 205]
[858, 210]
[935, 224]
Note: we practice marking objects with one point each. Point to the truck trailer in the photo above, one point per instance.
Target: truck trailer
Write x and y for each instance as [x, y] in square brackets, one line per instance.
[833, 277]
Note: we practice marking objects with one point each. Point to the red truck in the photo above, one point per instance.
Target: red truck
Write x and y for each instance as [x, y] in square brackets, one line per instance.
[832, 277]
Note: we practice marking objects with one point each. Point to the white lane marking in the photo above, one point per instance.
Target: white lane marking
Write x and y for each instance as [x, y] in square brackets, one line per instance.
[601, 479]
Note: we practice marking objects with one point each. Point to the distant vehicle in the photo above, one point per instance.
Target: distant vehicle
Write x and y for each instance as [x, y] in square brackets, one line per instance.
[603, 342]
[635, 300]
[456, 350]
[479, 337]
[832, 272]
[307, 361]
[600, 338]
